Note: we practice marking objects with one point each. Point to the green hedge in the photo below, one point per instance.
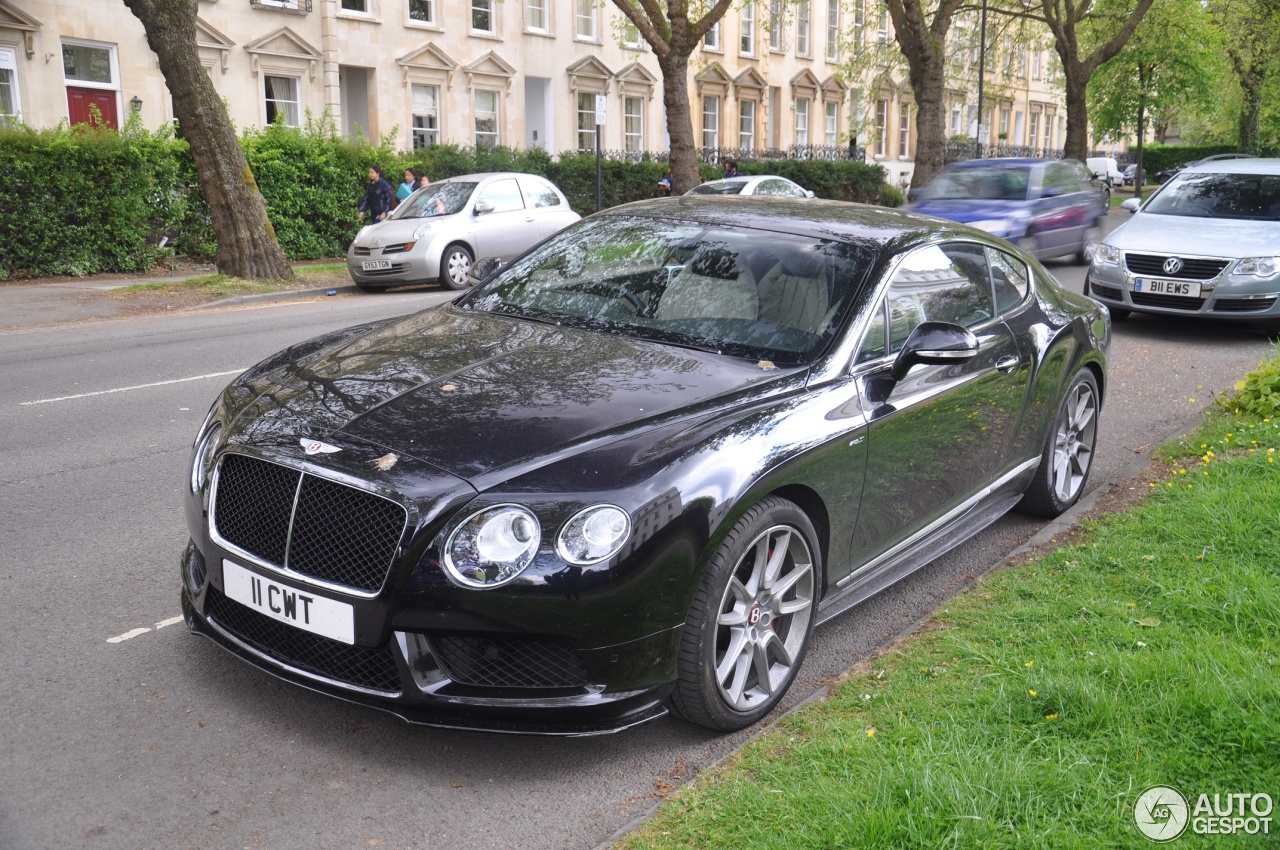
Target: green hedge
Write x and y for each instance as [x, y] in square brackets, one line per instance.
[1157, 158]
[80, 201]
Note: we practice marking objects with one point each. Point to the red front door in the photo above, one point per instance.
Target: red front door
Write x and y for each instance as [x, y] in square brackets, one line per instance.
[79, 101]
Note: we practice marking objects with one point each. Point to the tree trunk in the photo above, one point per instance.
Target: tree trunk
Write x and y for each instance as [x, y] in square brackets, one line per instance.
[1077, 85]
[247, 246]
[929, 88]
[675, 97]
[1251, 95]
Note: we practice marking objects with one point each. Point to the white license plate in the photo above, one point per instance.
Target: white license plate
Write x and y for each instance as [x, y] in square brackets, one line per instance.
[1157, 286]
[373, 265]
[300, 608]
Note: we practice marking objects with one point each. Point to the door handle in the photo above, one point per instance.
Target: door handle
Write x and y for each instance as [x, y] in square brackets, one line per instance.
[1007, 364]
[528, 218]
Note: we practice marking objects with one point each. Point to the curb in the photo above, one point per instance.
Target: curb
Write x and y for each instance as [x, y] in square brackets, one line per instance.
[269, 297]
[1069, 519]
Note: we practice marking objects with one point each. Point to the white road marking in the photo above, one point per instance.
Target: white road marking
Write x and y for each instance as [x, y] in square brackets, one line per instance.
[130, 635]
[138, 387]
[169, 622]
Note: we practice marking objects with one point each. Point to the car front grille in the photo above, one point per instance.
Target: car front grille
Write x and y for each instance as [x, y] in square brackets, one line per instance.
[1193, 268]
[363, 252]
[508, 663]
[373, 669]
[1172, 302]
[306, 524]
[1243, 305]
[1105, 291]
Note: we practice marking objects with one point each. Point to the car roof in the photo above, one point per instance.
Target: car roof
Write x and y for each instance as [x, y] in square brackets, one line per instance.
[818, 219]
[487, 175]
[1002, 162]
[1252, 165]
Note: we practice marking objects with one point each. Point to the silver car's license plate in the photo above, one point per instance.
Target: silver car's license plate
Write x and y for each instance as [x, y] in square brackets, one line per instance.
[1157, 286]
[373, 265]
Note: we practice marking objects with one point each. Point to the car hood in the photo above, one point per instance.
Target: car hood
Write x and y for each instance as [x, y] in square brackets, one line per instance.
[1209, 237]
[475, 394]
[967, 209]
[397, 229]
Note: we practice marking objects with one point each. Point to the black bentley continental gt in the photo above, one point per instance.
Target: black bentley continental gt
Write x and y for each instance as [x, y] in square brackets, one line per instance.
[633, 470]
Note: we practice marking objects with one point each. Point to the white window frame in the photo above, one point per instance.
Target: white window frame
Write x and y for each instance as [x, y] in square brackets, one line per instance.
[433, 16]
[882, 27]
[747, 124]
[485, 7]
[9, 62]
[293, 117]
[113, 61]
[711, 41]
[904, 130]
[1004, 125]
[957, 118]
[586, 21]
[586, 124]
[631, 37]
[833, 31]
[1033, 130]
[882, 127]
[802, 121]
[633, 123]
[831, 123]
[428, 135]
[803, 25]
[747, 29]
[497, 116]
[537, 6]
[365, 12]
[1035, 64]
[776, 23]
[711, 128]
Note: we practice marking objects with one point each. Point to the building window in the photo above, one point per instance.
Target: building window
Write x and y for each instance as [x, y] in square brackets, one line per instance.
[882, 126]
[486, 118]
[282, 100]
[1022, 62]
[482, 15]
[426, 116]
[833, 30]
[1008, 56]
[802, 28]
[361, 6]
[586, 122]
[747, 125]
[10, 105]
[957, 119]
[802, 121]
[711, 41]
[1033, 130]
[710, 121]
[633, 124]
[630, 34]
[535, 16]
[904, 130]
[422, 11]
[831, 123]
[584, 20]
[1004, 124]
[747, 20]
[775, 25]
[86, 64]
[859, 21]
[882, 27]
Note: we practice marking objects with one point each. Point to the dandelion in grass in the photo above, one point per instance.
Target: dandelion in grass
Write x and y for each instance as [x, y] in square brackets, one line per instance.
[1028, 664]
[871, 733]
[1051, 717]
[1033, 693]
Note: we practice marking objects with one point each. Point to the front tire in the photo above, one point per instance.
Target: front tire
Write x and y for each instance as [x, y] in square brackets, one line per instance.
[369, 287]
[1068, 453]
[1089, 244]
[749, 627]
[455, 267]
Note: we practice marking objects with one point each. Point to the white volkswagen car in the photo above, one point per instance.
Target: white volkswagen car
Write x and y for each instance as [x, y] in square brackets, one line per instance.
[440, 230]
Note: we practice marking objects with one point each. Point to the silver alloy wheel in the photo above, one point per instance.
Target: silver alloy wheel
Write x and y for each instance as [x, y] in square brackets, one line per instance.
[457, 263]
[763, 618]
[1073, 442]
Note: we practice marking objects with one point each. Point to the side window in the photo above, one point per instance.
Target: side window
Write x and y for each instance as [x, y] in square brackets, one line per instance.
[941, 283]
[777, 187]
[873, 344]
[1009, 277]
[1059, 177]
[538, 194]
[504, 195]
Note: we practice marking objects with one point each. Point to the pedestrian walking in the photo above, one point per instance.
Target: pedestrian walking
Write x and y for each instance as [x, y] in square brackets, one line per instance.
[379, 198]
[409, 186]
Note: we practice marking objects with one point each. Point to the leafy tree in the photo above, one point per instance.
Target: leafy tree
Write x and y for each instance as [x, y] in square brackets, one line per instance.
[673, 29]
[1251, 30]
[247, 244]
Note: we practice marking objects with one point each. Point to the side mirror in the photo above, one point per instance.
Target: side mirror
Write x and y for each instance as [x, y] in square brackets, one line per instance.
[483, 206]
[808, 193]
[1131, 205]
[484, 269]
[934, 342]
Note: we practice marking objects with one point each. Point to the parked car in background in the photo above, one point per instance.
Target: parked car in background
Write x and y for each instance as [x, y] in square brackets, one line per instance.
[1167, 173]
[756, 184]
[1207, 243]
[1105, 169]
[1049, 208]
[1130, 173]
[436, 233]
[631, 471]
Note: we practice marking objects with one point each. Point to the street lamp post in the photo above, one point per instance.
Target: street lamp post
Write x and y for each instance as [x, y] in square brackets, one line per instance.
[982, 68]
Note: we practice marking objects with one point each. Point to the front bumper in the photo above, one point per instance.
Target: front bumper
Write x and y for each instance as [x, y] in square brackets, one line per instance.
[409, 267]
[1223, 296]
[499, 683]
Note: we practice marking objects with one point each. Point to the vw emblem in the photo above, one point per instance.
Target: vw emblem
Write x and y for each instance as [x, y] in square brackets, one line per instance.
[1173, 265]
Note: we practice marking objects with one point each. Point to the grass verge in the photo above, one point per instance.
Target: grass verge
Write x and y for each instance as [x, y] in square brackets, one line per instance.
[1034, 709]
[212, 287]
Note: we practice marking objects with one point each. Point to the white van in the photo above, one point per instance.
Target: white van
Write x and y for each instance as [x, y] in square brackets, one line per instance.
[1105, 168]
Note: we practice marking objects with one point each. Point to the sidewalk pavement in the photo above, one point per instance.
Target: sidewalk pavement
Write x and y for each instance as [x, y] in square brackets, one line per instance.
[26, 306]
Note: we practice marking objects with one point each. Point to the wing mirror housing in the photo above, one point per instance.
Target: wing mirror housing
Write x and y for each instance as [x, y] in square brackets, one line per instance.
[1131, 205]
[482, 207]
[937, 343]
[484, 269]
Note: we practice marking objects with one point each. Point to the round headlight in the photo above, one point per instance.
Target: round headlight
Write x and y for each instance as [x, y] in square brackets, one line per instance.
[422, 230]
[593, 535]
[491, 547]
[202, 458]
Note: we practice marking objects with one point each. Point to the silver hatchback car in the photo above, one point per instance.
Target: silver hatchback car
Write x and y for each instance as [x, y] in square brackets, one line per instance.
[436, 233]
[1206, 244]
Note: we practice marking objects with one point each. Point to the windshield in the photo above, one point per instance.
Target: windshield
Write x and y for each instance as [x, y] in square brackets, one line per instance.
[989, 184]
[746, 293]
[1243, 196]
[732, 187]
[436, 199]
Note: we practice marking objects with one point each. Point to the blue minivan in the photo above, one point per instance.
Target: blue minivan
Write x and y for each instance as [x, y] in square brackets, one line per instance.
[1048, 207]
